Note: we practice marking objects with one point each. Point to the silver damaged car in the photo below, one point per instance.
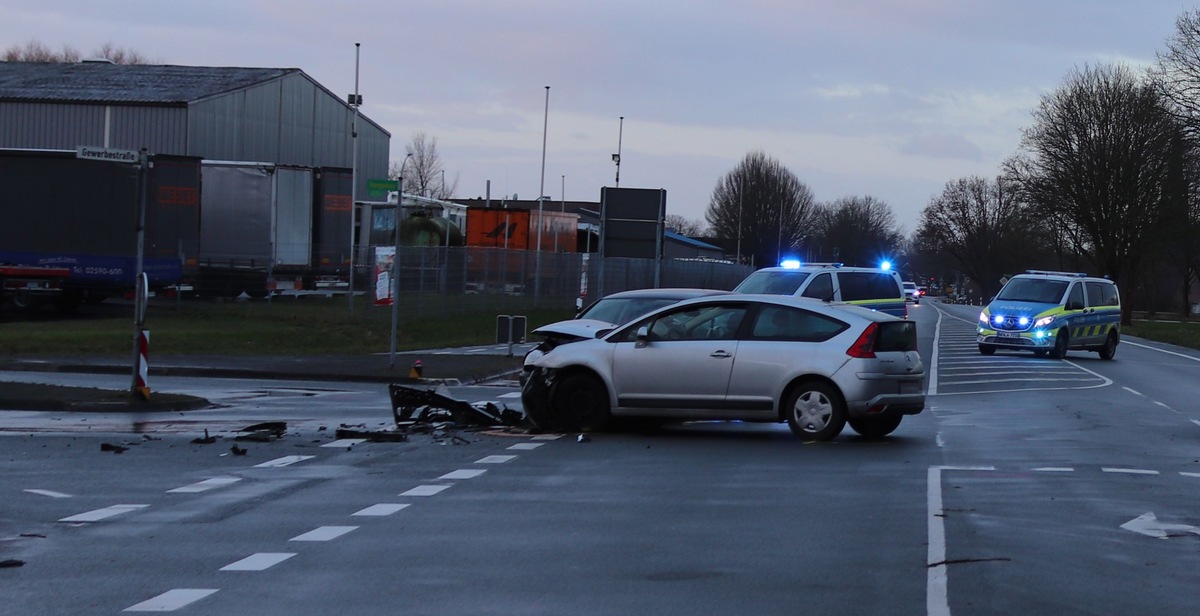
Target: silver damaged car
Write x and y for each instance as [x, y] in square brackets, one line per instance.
[768, 358]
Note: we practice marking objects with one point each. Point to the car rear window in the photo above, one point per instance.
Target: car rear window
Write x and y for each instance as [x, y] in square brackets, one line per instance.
[896, 336]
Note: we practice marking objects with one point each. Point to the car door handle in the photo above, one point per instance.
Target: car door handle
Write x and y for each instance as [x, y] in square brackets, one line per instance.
[720, 354]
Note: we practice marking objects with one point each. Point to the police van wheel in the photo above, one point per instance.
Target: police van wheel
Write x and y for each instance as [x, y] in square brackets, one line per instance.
[1110, 346]
[987, 349]
[1040, 353]
[1060, 345]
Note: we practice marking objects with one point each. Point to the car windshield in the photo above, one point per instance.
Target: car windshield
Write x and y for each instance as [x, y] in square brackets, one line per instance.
[1033, 290]
[621, 310]
[772, 283]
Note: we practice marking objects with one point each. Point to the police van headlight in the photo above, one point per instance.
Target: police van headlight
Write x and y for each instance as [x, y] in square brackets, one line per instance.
[983, 316]
[1044, 321]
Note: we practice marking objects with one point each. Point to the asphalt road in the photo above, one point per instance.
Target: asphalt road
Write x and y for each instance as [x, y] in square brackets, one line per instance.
[1028, 486]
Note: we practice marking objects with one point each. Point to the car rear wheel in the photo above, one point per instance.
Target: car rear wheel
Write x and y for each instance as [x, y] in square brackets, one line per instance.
[1060, 344]
[987, 349]
[1110, 346]
[875, 426]
[579, 403]
[815, 411]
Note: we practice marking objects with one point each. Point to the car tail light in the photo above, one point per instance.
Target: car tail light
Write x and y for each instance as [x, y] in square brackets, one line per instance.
[864, 347]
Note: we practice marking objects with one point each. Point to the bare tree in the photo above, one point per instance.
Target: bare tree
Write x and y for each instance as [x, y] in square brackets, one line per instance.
[423, 173]
[1177, 72]
[983, 227]
[1096, 164]
[763, 206]
[684, 226]
[857, 231]
[36, 51]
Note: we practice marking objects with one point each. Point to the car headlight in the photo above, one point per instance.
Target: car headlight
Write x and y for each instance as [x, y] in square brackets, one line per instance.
[983, 316]
[1044, 321]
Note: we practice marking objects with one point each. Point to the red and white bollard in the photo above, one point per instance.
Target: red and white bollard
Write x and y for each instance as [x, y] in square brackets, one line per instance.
[142, 386]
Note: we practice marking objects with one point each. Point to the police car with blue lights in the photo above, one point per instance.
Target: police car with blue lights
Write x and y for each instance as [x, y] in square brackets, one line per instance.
[875, 288]
[1050, 313]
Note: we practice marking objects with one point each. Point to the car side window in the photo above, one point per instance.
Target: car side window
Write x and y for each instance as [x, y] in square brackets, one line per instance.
[1076, 296]
[784, 323]
[1111, 298]
[1101, 294]
[820, 288]
[719, 322]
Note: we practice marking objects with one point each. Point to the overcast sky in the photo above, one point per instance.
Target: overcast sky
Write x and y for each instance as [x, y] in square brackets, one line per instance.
[888, 98]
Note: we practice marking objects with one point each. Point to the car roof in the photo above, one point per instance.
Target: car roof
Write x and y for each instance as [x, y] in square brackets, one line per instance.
[808, 303]
[825, 267]
[1061, 276]
[666, 293]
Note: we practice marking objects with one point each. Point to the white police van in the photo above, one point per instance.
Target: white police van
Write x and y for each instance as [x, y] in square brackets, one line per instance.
[876, 288]
[1050, 313]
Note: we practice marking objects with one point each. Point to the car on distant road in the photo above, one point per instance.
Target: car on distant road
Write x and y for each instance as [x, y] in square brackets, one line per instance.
[767, 358]
[875, 288]
[604, 314]
[912, 293]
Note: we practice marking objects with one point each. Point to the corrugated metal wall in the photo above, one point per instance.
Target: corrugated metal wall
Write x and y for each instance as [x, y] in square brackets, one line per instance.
[287, 121]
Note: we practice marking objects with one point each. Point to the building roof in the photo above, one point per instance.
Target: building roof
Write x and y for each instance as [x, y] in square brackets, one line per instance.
[683, 239]
[103, 82]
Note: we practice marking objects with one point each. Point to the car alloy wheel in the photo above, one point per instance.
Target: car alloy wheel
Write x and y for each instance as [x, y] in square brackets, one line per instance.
[815, 411]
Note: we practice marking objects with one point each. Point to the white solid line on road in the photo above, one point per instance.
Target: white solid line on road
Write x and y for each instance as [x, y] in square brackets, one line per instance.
[50, 493]
[1187, 474]
[284, 461]
[1196, 421]
[323, 533]
[381, 509]
[172, 600]
[512, 394]
[526, 446]
[345, 442]
[1054, 469]
[425, 490]
[1144, 346]
[207, 484]
[1130, 471]
[932, 388]
[100, 514]
[464, 473]
[1134, 392]
[494, 459]
[936, 600]
[259, 561]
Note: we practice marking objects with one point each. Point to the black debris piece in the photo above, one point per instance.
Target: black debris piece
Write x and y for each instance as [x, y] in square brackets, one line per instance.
[207, 440]
[276, 428]
[237, 451]
[458, 440]
[113, 448]
[374, 436]
[432, 405]
[11, 562]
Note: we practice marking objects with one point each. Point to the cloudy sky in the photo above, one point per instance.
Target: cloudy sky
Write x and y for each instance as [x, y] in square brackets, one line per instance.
[888, 98]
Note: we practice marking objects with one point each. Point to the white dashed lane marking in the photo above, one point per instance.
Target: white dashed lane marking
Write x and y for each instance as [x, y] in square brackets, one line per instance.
[494, 459]
[284, 461]
[259, 561]
[425, 490]
[100, 514]
[172, 600]
[464, 473]
[526, 446]
[1130, 471]
[207, 484]
[50, 493]
[323, 533]
[381, 509]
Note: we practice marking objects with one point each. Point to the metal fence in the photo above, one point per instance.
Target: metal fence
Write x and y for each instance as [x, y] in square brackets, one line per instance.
[451, 279]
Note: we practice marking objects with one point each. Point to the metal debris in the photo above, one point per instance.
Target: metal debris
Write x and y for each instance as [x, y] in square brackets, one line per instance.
[207, 440]
[264, 432]
[113, 448]
[434, 405]
[237, 451]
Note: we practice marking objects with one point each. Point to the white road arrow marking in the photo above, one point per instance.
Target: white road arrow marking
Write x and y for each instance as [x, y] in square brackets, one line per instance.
[1147, 524]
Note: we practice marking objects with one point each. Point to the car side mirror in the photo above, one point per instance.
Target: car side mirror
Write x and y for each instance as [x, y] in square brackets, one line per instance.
[642, 336]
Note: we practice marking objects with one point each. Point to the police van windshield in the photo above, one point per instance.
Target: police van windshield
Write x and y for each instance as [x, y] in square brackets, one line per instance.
[773, 283]
[1033, 290]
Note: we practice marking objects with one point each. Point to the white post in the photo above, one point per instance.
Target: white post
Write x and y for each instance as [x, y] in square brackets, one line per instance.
[537, 276]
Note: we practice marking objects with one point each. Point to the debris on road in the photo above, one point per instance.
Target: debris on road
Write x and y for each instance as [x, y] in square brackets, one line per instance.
[113, 448]
[410, 404]
[11, 562]
[237, 451]
[264, 432]
[207, 440]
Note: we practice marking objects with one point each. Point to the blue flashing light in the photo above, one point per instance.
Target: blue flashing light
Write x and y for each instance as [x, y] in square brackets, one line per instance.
[790, 264]
[885, 265]
[1023, 321]
[998, 319]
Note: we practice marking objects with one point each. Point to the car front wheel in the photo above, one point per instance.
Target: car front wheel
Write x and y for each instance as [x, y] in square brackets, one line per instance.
[579, 403]
[815, 411]
[1060, 345]
[876, 426]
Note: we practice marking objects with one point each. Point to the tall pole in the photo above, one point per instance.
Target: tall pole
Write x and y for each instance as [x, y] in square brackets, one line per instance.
[741, 188]
[537, 277]
[396, 261]
[617, 158]
[779, 235]
[355, 101]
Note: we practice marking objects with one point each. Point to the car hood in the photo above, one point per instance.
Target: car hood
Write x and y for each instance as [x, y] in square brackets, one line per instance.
[573, 328]
[1010, 307]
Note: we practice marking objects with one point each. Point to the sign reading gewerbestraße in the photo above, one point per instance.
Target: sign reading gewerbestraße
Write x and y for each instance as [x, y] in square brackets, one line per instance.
[109, 154]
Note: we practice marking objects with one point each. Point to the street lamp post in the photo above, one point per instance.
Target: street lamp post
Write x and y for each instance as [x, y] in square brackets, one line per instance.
[355, 101]
[537, 276]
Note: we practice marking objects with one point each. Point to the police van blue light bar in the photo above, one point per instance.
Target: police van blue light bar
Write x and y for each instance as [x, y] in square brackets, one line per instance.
[790, 264]
[885, 265]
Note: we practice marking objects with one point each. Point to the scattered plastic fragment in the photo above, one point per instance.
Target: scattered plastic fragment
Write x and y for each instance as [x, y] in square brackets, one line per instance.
[113, 448]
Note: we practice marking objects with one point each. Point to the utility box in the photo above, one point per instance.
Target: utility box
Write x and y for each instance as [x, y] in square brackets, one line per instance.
[510, 329]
